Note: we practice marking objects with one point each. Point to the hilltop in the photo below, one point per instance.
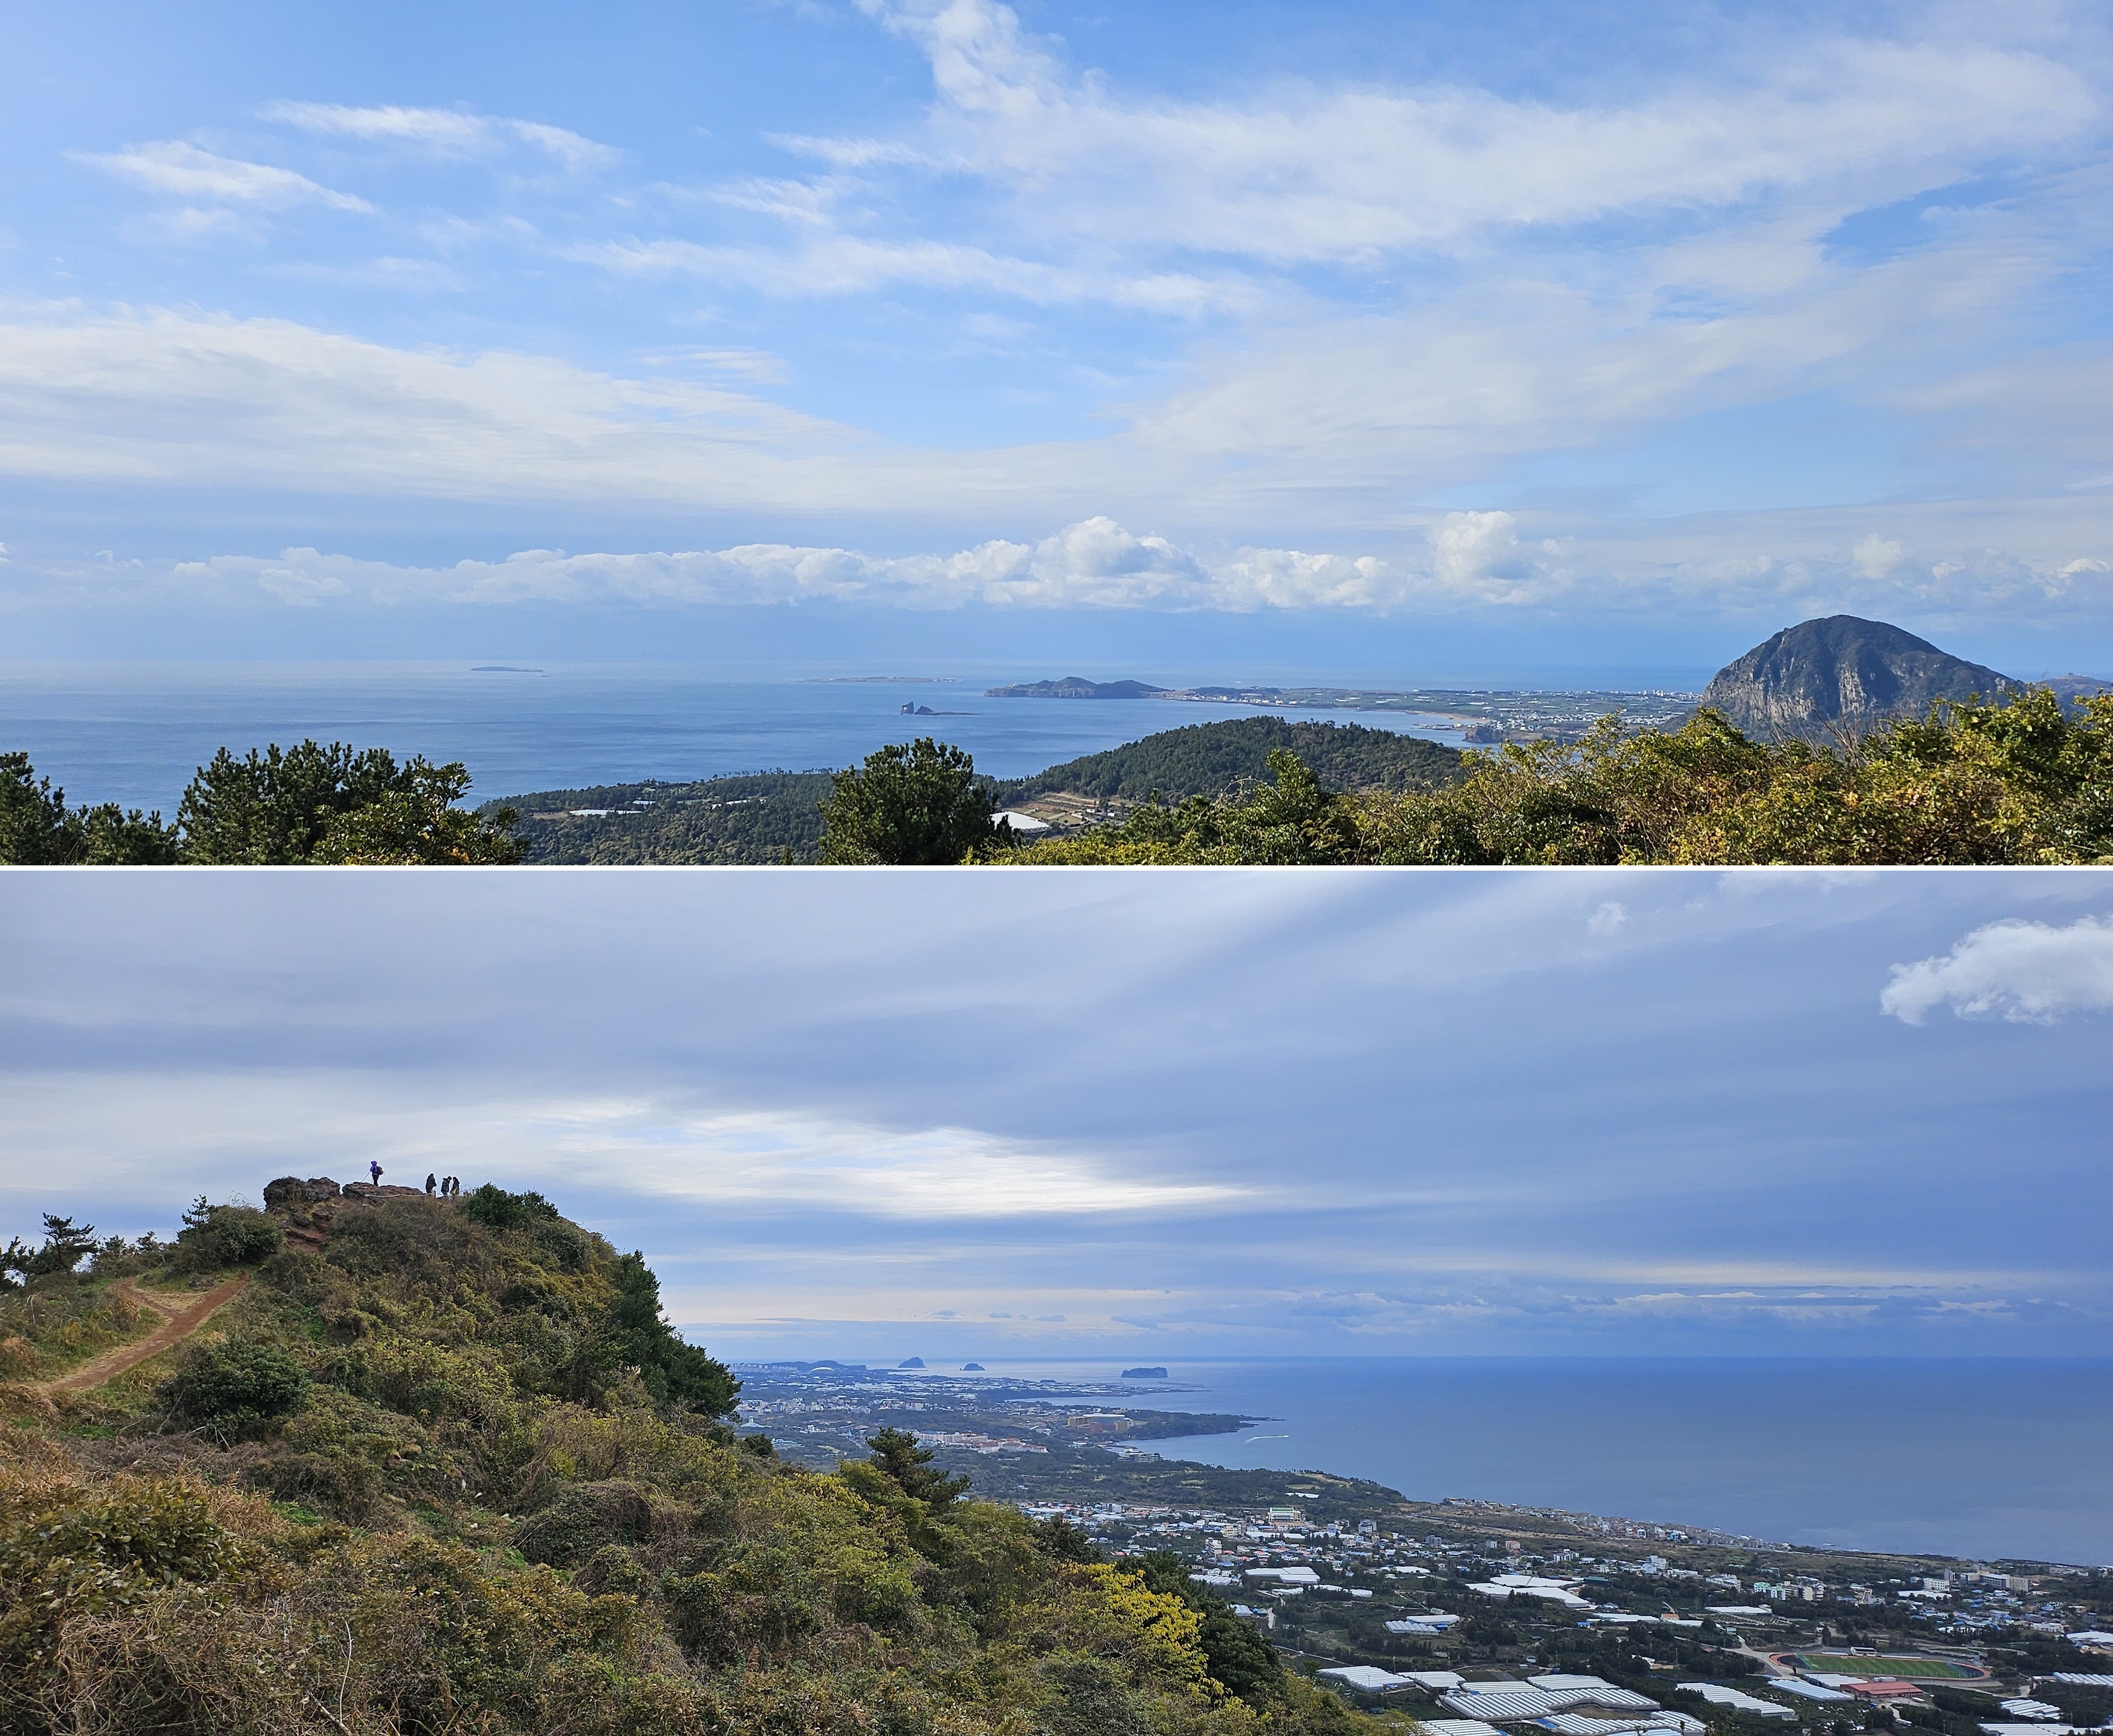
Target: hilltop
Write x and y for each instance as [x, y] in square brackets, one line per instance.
[1212, 760]
[417, 1465]
[1843, 672]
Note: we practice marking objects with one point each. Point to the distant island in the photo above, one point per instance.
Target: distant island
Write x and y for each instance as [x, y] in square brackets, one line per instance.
[1144, 1374]
[921, 681]
[1075, 686]
[502, 669]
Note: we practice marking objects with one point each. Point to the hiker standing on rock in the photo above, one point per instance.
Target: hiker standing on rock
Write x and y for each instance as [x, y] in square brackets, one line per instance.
[430, 1184]
[374, 1169]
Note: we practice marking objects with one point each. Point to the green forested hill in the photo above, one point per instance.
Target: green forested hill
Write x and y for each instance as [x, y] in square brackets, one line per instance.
[753, 819]
[440, 1466]
[1212, 759]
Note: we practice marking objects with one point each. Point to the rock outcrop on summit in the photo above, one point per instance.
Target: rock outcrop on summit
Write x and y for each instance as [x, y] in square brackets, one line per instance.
[1820, 677]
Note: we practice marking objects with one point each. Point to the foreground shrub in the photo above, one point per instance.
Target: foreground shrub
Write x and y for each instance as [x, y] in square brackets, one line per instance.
[216, 1235]
[233, 1387]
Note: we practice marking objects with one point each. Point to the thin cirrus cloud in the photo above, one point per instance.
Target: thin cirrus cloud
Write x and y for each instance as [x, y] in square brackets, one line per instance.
[445, 131]
[186, 171]
[1308, 175]
[2025, 972]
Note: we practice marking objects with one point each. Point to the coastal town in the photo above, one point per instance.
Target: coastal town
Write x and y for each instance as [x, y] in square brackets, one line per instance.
[1471, 1617]
[1473, 1635]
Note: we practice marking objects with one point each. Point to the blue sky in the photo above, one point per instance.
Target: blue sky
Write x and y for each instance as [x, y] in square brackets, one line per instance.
[1162, 1115]
[1587, 333]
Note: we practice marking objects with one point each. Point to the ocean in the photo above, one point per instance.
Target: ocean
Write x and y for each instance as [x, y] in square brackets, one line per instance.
[1977, 1458]
[134, 734]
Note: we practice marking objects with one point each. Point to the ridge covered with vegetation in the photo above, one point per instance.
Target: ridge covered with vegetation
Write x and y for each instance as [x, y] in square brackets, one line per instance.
[2028, 780]
[443, 1466]
[1213, 760]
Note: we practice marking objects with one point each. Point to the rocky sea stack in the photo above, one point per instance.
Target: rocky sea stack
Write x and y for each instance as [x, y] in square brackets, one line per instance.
[1843, 672]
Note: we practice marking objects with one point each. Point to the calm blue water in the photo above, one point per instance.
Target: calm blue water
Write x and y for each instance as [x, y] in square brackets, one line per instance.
[134, 734]
[1972, 1458]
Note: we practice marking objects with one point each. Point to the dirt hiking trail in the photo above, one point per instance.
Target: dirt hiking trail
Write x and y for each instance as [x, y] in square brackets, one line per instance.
[179, 1321]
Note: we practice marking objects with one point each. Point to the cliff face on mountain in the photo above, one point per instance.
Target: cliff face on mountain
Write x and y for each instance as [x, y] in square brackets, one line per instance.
[1842, 672]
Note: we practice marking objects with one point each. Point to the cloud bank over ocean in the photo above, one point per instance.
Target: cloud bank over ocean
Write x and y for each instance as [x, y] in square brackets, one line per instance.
[1285, 1112]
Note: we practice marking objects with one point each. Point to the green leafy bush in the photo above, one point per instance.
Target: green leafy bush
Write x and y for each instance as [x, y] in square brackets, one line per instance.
[497, 1210]
[216, 1235]
[231, 1387]
[583, 1519]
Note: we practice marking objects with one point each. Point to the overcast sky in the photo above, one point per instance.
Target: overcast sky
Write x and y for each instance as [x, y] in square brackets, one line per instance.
[1157, 1113]
[1585, 329]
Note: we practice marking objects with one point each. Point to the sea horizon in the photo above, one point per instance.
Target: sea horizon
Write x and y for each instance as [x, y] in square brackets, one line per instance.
[135, 733]
[1842, 1451]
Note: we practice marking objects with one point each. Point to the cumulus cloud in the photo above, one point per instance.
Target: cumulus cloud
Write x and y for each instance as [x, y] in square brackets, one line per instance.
[184, 171]
[1876, 557]
[444, 131]
[2026, 973]
[1480, 555]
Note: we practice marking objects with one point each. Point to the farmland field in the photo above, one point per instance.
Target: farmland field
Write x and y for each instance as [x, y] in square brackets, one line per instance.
[1903, 1668]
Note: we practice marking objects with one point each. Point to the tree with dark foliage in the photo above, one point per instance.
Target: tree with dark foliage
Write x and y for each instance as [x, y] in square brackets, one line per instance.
[1239, 1656]
[909, 1466]
[38, 830]
[309, 803]
[918, 804]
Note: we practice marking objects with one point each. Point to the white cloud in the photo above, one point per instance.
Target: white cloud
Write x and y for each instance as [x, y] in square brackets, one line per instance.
[831, 263]
[1610, 918]
[1479, 554]
[1096, 563]
[931, 1173]
[2028, 972]
[183, 171]
[1876, 557]
[656, 1147]
[444, 131]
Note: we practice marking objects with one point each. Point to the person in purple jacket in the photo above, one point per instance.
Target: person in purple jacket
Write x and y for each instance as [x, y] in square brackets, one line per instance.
[374, 1169]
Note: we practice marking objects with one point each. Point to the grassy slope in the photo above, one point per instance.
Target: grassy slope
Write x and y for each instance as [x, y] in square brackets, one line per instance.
[471, 1519]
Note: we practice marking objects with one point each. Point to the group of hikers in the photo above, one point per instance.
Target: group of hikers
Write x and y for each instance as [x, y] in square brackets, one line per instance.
[441, 1187]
